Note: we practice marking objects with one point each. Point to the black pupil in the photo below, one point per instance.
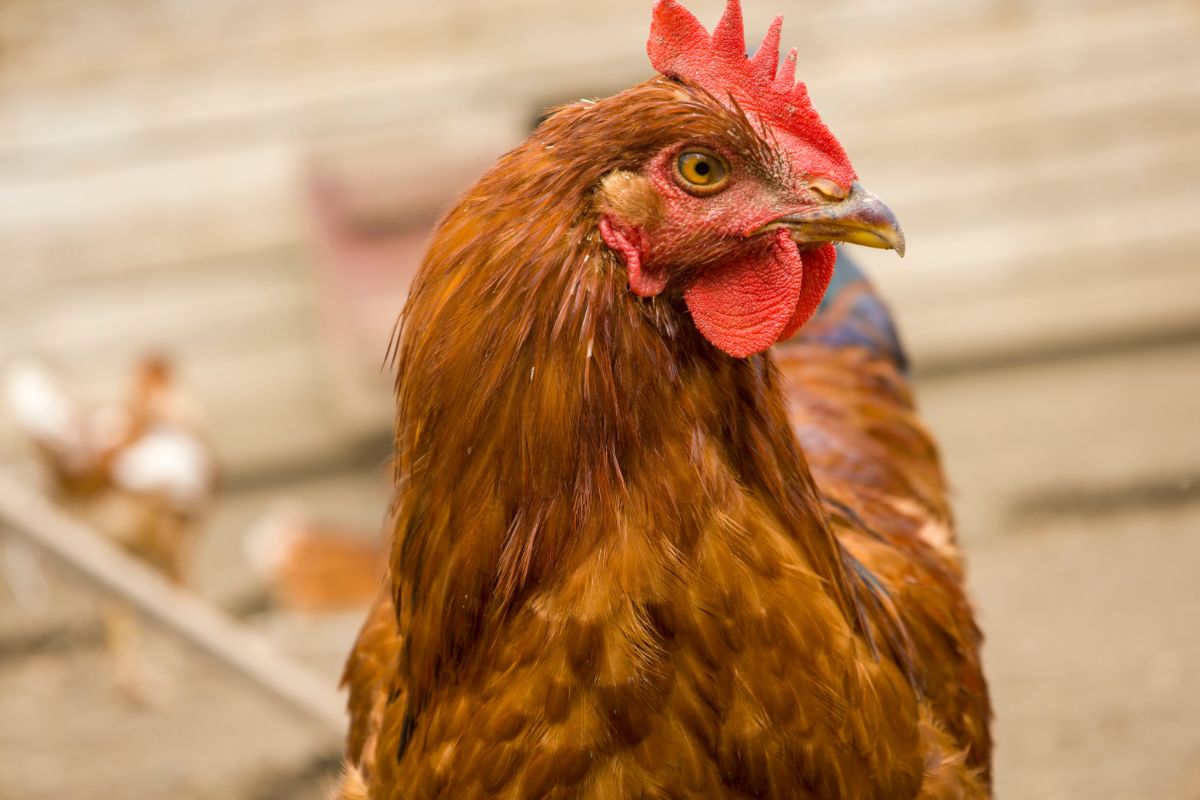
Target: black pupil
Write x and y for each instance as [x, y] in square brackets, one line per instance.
[702, 167]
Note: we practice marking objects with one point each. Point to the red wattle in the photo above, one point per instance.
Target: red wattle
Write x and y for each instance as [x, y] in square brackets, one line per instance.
[818, 272]
[631, 244]
[745, 306]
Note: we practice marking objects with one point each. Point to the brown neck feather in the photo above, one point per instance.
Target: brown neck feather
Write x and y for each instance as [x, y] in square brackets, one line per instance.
[536, 396]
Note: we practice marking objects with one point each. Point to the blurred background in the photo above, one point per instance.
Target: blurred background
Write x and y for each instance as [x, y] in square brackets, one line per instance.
[209, 214]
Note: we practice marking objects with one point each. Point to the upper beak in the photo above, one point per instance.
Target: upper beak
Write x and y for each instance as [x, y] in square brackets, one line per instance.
[859, 218]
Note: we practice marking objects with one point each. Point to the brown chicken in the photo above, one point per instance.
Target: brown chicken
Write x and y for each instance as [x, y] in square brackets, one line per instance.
[139, 472]
[636, 554]
[312, 567]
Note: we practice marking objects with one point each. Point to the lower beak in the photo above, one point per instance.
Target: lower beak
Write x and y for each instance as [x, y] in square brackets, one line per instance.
[859, 218]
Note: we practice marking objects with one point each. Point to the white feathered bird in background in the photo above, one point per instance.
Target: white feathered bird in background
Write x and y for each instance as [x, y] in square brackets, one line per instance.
[140, 472]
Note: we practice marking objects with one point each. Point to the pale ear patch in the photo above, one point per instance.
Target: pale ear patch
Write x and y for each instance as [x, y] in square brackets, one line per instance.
[631, 198]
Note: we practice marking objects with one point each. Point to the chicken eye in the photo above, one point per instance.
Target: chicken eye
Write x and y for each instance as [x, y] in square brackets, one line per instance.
[701, 171]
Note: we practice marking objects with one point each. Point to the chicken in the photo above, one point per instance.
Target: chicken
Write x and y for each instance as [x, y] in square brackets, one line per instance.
[140, 473]
[313, 568]
[636, 553]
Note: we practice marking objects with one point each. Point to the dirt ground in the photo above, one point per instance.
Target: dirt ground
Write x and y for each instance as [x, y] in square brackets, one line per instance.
[1078, 487]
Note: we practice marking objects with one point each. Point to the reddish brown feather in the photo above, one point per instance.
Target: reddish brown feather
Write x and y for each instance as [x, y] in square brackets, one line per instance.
[613, 573]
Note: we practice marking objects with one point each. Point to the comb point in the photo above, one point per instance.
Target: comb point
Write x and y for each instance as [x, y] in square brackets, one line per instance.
[681, 47]
[674, 33]
[766, 59]
[786, 79]
[729, 37]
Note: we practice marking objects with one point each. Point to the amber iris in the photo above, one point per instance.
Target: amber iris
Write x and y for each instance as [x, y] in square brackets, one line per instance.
[701, 170]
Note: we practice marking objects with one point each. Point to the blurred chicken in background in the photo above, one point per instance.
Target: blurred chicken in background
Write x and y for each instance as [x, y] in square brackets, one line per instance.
[314, 567]
[139, 472]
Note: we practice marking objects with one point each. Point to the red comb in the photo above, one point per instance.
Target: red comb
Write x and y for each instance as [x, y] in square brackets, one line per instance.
[680, 46]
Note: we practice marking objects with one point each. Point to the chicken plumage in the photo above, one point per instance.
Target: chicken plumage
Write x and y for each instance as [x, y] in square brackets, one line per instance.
[312, 567]
[636, 554]
[140, 471]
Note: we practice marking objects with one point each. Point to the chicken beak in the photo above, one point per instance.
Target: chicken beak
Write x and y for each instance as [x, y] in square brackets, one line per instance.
[859, 218]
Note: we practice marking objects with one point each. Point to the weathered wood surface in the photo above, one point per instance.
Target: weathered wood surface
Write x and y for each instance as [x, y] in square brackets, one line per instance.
[153, 163]
[1042, 156]
[32, 518]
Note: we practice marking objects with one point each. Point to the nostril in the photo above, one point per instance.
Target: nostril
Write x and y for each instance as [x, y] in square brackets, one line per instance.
[828, 191]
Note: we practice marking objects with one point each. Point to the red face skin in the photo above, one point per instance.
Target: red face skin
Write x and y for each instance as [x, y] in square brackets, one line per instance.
[745, 289]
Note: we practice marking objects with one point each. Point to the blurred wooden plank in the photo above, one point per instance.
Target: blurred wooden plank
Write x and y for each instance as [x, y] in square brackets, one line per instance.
[932, 70]
[201, 304]
[221, 204]
[1104, 423]
[1040, 157]
[1080, 103]
[1092, 655]
[1045, 284]
[1139, 166]
[241, 332]
[173, 35]
[1004, 246]
[293, 89]
[1104, 420]
[1079, 315]
[115, 572]
[265, 188]
[236, 200]
[248, 199]
[938, 211]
